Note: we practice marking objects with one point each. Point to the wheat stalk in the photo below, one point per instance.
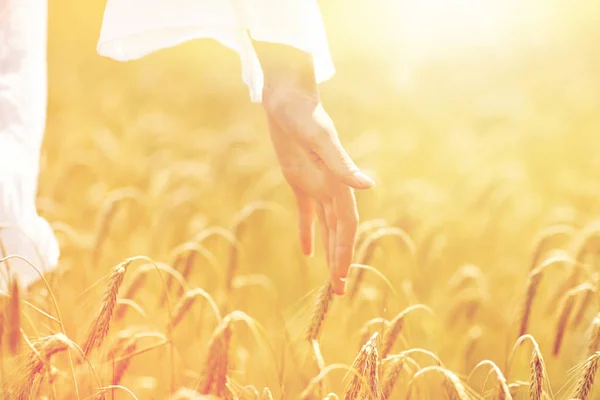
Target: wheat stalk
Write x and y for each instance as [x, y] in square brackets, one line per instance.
[589, 296]
[365, 331]
[395, 327]
[594, 335]
[533, 281]
[503, 388]
[365, 379]
[218, 359]
[324, 299]
[120, 367]
[392, 373]
[536, 366]
[137, 281]
[14, 317]
[453, 387]
[185, 304]
[101, 324]
[239, 227]
[266, 394]
[37, 360]
[562, 321]
[316, 349]
[367, 248]
[585, 383]
[566, 309]
[536, 384]
[546, 236]
[466, 275]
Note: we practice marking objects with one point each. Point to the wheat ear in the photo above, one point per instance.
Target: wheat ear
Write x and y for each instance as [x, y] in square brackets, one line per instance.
[536, 384]
[324, 299]
[586, 381]
[101, 324]
[365, 379]
[38, 360]
[594, 335]
[218, 359]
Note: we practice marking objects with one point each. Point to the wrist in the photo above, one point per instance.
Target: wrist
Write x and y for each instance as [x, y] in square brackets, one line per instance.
[286, 70]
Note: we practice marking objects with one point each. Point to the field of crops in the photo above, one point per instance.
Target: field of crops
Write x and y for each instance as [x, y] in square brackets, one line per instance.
[181, 275]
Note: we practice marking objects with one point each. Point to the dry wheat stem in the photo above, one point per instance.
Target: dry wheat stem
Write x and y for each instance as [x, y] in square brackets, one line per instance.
[266, 394]
[585, 383]
[503, 388]
[545, 236]
[454, 388]
[466, 275]
[367, 248]
[101, 324]
[533, 281]
[137, 281]
[536, 384]
[594, 336]
[316, 349]
[121, 367]
[37, 360]
[536, 366]
[14, 317]
[366, 381]
[324, 299]
[562, 321]
[109, 209]
[567, 306]
[365, 331]
[218, 359]
[392, 373]
[589, 297]
[396, 325]
[179, 256]
[186, 302]
[57, 309]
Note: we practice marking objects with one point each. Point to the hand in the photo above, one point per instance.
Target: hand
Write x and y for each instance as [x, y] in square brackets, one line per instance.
[318, 192]
[313, 161]
[320, 188]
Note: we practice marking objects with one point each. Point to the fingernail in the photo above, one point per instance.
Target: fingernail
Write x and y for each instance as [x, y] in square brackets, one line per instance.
[363, 179]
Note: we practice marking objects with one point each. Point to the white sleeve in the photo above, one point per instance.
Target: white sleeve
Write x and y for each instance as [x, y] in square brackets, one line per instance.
[134, 28]
[23, 92]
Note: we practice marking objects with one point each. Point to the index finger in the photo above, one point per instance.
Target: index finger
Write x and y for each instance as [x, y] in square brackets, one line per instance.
[347, 224]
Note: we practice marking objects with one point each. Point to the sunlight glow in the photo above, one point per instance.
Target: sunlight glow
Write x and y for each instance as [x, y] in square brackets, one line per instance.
[430, 26]
[447, 22]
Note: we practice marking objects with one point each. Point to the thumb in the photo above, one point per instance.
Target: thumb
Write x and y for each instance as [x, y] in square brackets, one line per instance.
[330, 150]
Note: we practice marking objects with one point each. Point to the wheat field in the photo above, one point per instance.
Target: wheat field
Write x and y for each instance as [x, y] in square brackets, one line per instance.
[476, 267]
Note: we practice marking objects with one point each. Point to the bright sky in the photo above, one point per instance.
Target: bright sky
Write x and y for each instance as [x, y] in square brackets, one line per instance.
[425, 27]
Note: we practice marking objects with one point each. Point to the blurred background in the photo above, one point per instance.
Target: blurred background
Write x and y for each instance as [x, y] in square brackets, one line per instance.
[479, 120]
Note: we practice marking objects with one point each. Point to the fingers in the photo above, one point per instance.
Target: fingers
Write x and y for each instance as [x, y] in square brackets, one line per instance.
[324, 230]
[338, 286]
[327, 217]
[347, 223]
[306, 222]
[329, 148]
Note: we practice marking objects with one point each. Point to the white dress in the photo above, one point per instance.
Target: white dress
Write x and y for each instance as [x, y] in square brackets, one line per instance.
[131, 29]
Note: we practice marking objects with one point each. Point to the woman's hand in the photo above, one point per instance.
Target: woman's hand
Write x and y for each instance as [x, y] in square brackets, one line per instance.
[312, 158]
[319, 193]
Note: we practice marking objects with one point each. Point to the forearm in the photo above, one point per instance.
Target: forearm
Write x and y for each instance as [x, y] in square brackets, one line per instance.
[286, 67]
